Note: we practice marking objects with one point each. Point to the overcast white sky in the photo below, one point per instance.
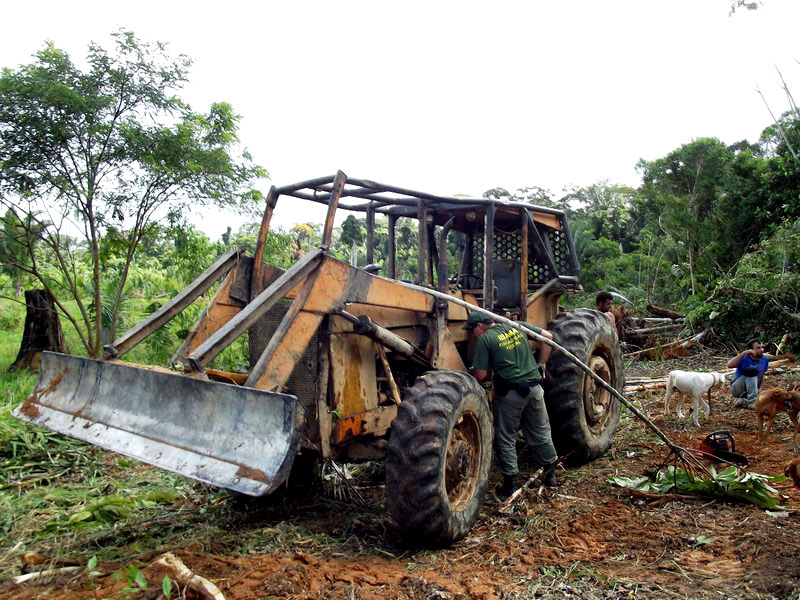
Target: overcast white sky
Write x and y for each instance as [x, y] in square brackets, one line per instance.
[453, 97]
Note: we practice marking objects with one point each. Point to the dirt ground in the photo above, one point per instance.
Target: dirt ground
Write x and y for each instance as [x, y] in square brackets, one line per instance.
[583, 539]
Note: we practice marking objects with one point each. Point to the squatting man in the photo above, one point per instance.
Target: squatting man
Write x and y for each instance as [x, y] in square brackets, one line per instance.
[751, 364]
[504, 352]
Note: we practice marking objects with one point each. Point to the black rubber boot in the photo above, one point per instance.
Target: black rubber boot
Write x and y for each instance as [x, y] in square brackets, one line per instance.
[508, 487]
[550, 479]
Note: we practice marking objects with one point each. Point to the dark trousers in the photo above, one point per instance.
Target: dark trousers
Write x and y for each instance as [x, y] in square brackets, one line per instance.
[512, 410]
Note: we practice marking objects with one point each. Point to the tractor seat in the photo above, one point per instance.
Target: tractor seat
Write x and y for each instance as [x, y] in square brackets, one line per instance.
[507, 283]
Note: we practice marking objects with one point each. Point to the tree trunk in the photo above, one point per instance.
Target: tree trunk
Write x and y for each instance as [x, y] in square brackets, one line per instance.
[664, 312]
[42, 330]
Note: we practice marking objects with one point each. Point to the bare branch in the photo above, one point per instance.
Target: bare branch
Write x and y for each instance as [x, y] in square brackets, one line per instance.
[789, 96]
[780, 127]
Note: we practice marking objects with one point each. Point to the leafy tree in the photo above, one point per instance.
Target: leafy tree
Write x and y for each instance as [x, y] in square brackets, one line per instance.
[531, 194]
[682, 189]
[742, 215]
[782, 194]
[610, 211]
[107, 151]
[761, 297]
[353, 230]
[15, 242]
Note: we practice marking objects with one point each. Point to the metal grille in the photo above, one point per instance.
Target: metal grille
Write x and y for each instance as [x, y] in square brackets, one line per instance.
[477, 256]
[506, 247]
[560, 249]
[304, 380]
[538, 274]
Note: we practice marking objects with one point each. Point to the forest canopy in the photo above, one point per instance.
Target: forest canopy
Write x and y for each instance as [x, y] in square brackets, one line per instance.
[98, 165]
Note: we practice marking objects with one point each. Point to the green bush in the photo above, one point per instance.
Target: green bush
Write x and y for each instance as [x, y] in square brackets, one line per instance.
[761, 298]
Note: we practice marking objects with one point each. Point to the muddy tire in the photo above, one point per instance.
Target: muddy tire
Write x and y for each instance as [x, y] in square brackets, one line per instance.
[438, 460]
[583, 415]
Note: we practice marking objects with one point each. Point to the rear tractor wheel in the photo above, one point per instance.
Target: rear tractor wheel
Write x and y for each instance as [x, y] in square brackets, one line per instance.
[583, 414]
[439, 455]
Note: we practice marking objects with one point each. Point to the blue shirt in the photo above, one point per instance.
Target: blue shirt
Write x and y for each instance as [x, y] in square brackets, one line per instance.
[748, 362]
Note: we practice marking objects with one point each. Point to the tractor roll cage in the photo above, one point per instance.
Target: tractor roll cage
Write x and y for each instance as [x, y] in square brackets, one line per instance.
[537, 237]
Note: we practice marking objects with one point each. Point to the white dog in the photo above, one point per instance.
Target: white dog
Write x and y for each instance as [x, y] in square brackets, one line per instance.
[695, 385]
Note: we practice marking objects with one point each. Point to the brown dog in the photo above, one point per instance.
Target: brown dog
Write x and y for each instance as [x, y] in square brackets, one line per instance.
[793, 470]
[772, 401]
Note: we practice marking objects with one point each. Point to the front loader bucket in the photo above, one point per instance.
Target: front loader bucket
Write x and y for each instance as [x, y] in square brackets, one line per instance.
[229, 436]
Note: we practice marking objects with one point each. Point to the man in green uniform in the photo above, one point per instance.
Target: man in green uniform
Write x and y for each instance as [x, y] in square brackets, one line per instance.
[519, 398]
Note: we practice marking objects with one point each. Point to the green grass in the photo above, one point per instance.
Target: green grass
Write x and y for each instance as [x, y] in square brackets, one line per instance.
[67, 499]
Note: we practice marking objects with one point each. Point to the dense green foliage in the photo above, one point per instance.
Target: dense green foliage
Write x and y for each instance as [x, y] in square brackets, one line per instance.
[103, 153]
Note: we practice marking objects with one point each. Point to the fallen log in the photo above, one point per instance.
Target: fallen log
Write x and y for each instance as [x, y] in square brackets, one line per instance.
[659, 320]
[673, 349]
[645, 386]
[651, 330]
[664, 312]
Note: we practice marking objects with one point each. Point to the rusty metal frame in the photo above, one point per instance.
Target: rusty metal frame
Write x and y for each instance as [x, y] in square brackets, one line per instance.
[523, 282]
[423, 249]
[488, 263]
[224, 336]
[258, 255]
[391, 200]
[136, 334]
[370, 233]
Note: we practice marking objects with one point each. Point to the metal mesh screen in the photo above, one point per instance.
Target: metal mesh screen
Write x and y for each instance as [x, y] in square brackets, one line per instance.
[477, 256]
[506, 247]
[560, 249]
[304, 381]
[538, 274]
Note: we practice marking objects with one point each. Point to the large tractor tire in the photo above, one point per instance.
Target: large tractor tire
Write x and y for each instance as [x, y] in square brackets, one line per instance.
[438, 461]
[583, 415]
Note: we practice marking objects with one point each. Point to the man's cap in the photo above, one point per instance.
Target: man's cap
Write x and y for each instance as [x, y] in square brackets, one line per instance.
[475, 318]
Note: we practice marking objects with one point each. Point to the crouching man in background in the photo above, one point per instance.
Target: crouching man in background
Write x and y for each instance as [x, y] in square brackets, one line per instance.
[519, 397]
[750, 368]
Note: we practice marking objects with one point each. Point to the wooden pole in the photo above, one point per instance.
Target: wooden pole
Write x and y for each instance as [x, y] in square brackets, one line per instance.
[389, 376]
[258, 256]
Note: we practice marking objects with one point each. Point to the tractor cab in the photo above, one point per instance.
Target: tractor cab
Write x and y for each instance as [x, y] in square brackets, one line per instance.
[512, 258]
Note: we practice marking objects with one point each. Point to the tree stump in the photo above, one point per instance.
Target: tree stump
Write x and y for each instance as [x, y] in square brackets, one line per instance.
[42, 330]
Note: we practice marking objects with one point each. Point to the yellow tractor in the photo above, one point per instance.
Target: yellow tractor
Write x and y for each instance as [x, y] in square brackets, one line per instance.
[348, 363]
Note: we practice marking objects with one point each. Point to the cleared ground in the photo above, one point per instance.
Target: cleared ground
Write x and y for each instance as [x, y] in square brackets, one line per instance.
[584, 539]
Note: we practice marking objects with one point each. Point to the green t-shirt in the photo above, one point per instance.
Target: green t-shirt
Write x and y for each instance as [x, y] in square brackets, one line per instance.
[505, 351]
